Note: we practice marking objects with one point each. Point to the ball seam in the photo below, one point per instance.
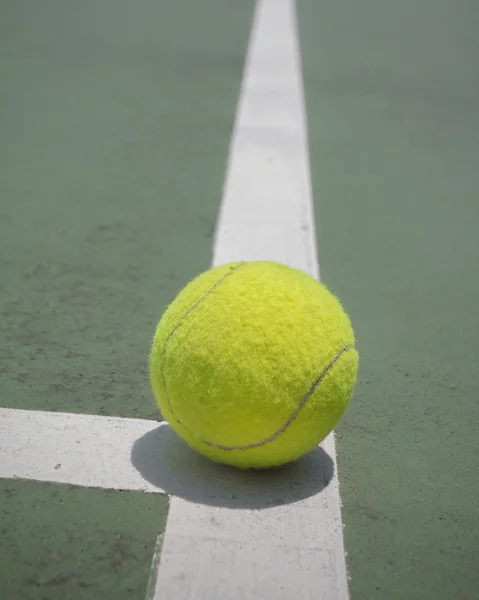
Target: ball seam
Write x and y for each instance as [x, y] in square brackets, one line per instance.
[178, 325]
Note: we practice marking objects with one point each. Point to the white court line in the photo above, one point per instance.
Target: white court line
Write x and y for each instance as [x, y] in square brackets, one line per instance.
[229, 535]
[296, 551]
[155, 562]
[81, 450]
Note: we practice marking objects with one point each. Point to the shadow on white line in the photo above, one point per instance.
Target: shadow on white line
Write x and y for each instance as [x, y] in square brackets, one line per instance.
[165, 461]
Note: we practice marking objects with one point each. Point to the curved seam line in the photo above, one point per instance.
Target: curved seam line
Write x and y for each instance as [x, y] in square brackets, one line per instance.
[178, 325]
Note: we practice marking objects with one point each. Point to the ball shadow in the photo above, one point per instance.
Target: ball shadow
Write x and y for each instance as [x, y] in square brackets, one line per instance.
[166, 462]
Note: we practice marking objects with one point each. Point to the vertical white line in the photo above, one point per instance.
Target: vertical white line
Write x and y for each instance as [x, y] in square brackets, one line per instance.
[155, 563]
[267, 210]
[226, 550]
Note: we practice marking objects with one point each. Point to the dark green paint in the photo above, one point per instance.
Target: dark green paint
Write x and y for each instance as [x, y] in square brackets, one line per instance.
[67, 543]
[393, 107]
[115, 121]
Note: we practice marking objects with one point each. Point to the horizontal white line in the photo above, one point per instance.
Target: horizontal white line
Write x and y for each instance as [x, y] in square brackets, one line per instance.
[83, 450]
[239, 533]
[287, 508]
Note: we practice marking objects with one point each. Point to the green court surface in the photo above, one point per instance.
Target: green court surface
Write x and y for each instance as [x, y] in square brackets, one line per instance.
[115, 125]
[61, 541]
[393, 104]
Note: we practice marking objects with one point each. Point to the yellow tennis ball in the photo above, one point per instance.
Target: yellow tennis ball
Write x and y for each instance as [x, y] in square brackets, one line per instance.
[253, 364]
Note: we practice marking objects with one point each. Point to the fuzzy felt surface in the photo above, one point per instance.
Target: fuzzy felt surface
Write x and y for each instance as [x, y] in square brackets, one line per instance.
[253, 364]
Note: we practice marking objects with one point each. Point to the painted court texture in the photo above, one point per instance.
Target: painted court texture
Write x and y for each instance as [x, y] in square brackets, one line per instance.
[141, 143]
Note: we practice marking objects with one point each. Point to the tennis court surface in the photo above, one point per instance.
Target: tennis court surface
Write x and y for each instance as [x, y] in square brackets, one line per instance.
[143, 142]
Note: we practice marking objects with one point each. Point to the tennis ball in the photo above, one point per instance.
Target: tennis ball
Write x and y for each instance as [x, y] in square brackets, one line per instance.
[253, 364]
